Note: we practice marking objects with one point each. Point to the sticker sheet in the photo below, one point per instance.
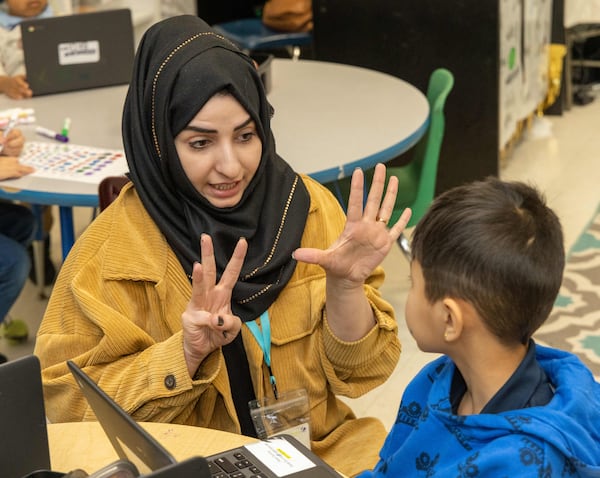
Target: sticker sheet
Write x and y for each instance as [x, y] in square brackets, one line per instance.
[71, 161]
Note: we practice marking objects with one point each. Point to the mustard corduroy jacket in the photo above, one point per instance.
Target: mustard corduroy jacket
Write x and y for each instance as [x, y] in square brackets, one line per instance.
[116, 311]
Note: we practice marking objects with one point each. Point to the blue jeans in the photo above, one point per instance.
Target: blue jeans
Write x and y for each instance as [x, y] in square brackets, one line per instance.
[17, 230]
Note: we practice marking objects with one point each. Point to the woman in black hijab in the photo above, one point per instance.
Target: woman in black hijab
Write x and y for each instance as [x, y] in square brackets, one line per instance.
[220, 275]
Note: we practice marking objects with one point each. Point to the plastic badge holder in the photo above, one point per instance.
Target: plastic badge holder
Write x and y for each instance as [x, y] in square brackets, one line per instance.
[289, 414]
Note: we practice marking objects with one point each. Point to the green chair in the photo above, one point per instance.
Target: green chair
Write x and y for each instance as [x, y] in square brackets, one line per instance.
[417, 179]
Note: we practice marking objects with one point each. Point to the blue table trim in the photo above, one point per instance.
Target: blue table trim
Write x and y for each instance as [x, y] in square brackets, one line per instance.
[49, 198]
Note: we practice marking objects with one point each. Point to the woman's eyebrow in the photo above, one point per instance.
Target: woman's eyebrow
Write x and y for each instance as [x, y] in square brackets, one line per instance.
[199, 129]
[244, 124]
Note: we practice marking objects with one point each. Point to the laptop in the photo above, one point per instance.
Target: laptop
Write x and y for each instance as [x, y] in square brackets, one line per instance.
[195, 467]
[281, 456]
[190, 468]
[76, 52]
[24, 439]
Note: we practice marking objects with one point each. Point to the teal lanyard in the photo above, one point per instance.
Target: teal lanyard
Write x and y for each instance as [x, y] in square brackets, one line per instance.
[262, 335]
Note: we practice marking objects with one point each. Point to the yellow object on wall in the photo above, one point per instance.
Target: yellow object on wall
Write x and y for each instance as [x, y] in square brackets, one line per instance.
[555, 67]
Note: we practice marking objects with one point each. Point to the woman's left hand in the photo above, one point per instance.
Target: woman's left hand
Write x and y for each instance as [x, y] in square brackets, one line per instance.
[366, 239]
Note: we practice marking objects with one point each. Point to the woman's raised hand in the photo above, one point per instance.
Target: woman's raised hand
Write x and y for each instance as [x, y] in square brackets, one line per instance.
[208, 322]
[366, 239]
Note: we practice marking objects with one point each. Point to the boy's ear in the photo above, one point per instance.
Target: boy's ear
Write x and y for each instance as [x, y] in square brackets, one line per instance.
[454, 319]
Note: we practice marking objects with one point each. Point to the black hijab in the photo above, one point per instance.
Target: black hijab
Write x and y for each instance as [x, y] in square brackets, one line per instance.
[180, 64]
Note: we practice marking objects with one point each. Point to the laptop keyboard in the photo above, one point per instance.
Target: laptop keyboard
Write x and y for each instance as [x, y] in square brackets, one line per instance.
[235, 466]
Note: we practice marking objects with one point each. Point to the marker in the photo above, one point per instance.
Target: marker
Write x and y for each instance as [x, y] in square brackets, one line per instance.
[65, 128]
[48, 133]
[12, 122]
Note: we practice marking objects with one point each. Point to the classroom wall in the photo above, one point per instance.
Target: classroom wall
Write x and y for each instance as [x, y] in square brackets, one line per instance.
[410, 39]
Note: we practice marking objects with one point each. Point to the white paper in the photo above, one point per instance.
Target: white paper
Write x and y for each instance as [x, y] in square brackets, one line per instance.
[280, 456]
[72, 162]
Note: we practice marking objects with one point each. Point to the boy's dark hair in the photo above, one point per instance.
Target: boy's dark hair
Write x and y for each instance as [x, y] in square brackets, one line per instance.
[498, 246]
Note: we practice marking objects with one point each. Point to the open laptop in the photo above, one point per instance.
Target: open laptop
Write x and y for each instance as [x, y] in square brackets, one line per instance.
[24, 437]
[76, 52]
[281, 456]
[195, 467]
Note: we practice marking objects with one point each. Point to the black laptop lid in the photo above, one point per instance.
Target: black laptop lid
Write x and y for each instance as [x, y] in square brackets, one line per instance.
[128, 438]
[135, 444]
[75, 52]
[24, 437]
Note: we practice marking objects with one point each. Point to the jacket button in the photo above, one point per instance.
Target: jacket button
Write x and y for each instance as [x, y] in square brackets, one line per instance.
[170, 382]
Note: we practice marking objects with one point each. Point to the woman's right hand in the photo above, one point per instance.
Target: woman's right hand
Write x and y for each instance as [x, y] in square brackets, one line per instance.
[208, 322]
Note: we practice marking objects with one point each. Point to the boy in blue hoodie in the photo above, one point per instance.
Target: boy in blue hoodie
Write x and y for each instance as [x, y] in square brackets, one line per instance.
[487, 265]
[13, 83]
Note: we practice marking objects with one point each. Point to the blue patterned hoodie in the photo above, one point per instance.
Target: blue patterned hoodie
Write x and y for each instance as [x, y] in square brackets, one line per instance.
[560, 439]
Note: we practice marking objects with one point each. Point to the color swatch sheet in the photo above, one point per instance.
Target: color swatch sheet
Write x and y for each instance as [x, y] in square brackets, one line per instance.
[73, 162]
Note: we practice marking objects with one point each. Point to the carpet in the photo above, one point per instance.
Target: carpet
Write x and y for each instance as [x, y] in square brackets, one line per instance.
[574, 323]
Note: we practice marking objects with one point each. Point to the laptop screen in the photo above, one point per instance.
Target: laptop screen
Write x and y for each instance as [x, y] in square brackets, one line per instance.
[278, 457]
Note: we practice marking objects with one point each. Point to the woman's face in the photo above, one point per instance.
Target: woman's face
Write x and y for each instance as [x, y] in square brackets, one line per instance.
[220, 150]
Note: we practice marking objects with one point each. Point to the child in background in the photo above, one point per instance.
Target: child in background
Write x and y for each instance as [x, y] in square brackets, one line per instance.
[17, 228]
[487, 265]
[13, 81]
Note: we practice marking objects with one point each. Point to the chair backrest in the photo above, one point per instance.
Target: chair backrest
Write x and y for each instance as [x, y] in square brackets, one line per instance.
[252, 34]
[427, 152]
[108, 190]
